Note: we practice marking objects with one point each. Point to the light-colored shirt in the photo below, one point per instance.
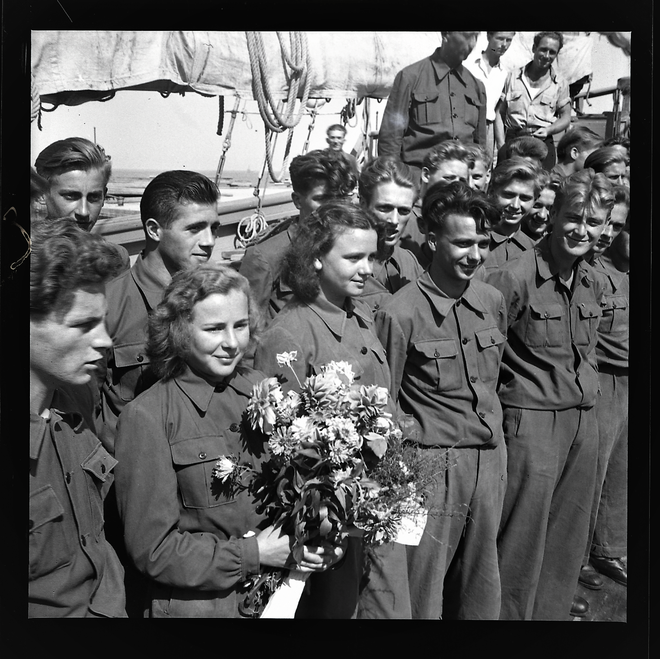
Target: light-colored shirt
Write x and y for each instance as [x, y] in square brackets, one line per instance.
[533, 107]
[493, 78]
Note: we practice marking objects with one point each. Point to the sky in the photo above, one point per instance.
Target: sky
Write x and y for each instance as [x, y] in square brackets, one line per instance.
[143, 130]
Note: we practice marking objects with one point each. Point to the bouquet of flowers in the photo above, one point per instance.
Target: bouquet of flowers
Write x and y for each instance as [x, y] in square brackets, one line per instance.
[339, 466]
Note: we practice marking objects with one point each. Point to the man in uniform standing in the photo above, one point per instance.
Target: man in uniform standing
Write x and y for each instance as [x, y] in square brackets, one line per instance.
[433, 100]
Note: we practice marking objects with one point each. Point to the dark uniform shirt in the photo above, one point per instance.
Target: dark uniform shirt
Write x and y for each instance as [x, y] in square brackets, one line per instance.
[182, 528]
[390, 275]
[131, 297]
[444, 356]
[614, 328]
[321, 332]
[549, 360]
[262, 266]
[73, 570]
[429, 103]
[503, 249]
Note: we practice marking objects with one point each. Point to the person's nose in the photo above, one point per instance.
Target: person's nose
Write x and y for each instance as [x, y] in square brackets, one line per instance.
[207, 237]
[366, 267]
[473, 253]
[580, 229]
[515, 203]
[542, 214]
[229, 339]
[608, 232]
[82, 209]
[101, 339]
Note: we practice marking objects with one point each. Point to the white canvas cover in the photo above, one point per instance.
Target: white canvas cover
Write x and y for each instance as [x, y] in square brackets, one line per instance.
[76, 66]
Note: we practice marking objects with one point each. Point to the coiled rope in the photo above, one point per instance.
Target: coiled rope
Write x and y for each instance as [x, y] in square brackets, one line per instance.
[297, 58]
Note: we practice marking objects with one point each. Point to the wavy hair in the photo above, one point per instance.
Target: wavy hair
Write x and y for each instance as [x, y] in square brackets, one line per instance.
[168, 191]
[558, 36]
[72, 153]
[602, 158]
[168, 332]
[514, 168]
[580, 137]
[64, 258]
[316, 237]
[457, 198]
[331, 168]
[587, 189]
[386, 169]
[446, 150]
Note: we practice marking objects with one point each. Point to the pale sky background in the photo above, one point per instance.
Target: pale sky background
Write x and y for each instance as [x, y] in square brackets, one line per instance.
[143, 130]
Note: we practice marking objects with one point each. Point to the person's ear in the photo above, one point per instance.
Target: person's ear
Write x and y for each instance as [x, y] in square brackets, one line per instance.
[318, 265]
[153, 229]
[574, 153]
[425, 174]
[295, 197]
[432, 240]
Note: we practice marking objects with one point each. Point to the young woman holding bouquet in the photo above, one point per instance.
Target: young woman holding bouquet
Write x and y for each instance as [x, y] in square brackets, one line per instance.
[326, 267]
[184, 529]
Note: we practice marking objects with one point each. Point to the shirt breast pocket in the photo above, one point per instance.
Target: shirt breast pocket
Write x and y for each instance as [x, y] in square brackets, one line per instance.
[132, 363]
[516, 103]
[548, 103]
[614, 309]
[589, 314]
[194, 460]
[545, 326]
[97, 467]
[426, 107]
[439, 363]
[472, 108]
[48, 546]
[489, 342]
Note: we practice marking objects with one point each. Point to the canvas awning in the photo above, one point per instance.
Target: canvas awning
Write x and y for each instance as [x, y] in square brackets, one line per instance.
[76, 66]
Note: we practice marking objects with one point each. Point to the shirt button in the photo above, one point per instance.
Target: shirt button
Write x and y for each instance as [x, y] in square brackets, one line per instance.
[234, 427]
[436, 354]
[455, 115]
[103, 469]
[202, 455]
[140, 358]
[482, 415]
[83, 540]
[465, 340]
[68, 477]
[492, 339]
[363, 350]
[473, 379]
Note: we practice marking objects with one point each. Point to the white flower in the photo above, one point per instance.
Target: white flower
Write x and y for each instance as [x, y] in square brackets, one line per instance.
[224, 468]
[302, 429]
[286, 358]
[340, 369]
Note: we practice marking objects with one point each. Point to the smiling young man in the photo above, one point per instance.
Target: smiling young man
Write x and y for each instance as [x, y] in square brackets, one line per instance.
[388, 188]
[73, 571]
[535, 100]
[444, 335]
[76, 172]
[180, 220]
[548, 389]
[316, 177]
[514, 187]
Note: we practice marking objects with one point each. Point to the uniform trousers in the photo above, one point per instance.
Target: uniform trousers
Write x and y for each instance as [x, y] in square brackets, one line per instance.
[609, 514]
[453, 572]
[547, 506]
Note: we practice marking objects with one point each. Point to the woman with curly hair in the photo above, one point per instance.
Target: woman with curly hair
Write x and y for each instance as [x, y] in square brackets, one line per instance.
[327, 267]
[183, 530]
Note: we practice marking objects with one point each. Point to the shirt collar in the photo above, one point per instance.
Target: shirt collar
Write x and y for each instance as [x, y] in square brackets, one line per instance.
[547, 266]
[147, 282]
[62, 409]
[442, 69]
[334, 317]
[201, 392]
[552, 72]
[442, 302]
